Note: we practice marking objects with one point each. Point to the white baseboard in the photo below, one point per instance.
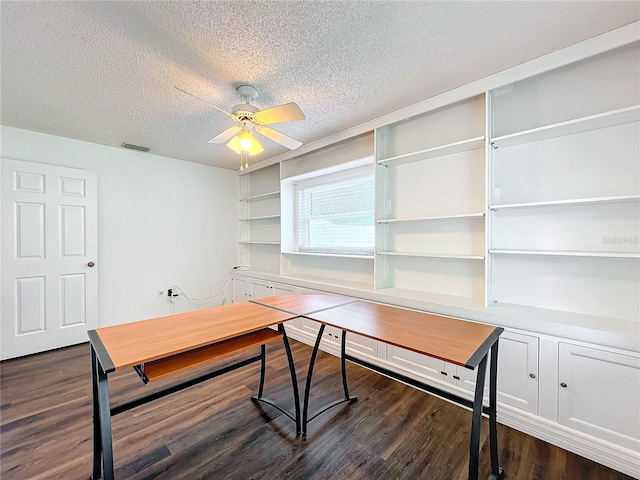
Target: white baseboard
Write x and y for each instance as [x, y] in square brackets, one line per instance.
[605, 453]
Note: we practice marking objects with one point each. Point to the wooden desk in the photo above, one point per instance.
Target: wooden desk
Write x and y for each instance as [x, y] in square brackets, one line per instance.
[162, 346]
[171, 344]
[460, 342]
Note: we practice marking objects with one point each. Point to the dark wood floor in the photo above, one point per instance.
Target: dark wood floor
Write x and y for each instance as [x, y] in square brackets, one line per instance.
[213, 430]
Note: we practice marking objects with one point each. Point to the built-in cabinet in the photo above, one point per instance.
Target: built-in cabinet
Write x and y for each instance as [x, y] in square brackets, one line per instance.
[518, 206]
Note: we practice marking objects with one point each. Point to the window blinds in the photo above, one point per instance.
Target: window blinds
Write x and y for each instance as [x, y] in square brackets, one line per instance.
[336, 216]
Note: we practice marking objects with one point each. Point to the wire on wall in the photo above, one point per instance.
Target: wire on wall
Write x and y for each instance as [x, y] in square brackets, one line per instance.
[178, 292]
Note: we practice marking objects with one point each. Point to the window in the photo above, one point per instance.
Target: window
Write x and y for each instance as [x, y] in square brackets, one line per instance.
[334, 213]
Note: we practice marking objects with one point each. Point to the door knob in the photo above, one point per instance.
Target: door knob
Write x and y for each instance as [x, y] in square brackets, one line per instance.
[90, 264]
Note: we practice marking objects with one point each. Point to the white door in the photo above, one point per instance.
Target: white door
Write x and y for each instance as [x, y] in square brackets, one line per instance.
[49, 246]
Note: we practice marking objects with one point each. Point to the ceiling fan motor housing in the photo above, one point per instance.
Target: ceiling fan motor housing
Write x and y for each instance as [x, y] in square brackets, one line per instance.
[244, 110]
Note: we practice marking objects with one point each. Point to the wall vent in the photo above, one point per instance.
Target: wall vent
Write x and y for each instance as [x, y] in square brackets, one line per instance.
[131, 146]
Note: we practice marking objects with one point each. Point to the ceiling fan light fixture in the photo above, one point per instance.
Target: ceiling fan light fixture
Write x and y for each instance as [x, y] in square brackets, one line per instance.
[246, 141]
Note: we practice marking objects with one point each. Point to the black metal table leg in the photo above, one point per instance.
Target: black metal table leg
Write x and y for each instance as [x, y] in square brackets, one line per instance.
[496, 472]
[294, 381]
[105, 422]
[294, 378]
[263, 368]
[343, 365]
[306, 417]
[97, 439]
[476, 420]
[307, 388]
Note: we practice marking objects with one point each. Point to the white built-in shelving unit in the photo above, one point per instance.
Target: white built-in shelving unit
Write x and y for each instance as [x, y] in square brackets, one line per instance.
[528, 194]
[564, 195]
[430, 206]
[259, 220]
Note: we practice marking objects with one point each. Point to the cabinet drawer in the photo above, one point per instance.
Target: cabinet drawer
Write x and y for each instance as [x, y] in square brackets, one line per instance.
[359, 344]
[418, 364]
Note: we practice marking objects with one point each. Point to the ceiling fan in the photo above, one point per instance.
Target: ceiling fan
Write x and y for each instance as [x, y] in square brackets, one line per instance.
[249, 118]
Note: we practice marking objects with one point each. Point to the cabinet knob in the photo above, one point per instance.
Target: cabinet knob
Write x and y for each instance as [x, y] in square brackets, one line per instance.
[90, 264]
[563, 385]
[456, 377]
[443, 372]
[532, 375]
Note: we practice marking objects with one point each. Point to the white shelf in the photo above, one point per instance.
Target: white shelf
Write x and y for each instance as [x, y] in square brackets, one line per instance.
[439, 299]
[434, 152]
[433, 255]
[257, 242]
[331, 255]
[576, 201]
[265, 217]
[566, 253]
[315, 282]
[428, 219]
[583, 124]
[262, 196]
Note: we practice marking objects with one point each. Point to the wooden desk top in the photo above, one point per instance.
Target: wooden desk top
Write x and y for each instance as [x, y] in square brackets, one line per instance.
[456, 341]
[459, 342]
[134, 343]
[302, 305]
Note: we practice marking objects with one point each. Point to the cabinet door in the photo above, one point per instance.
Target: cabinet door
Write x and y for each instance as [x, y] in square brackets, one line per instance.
[599, 393]
[240, 290]
[260, 290]
[517, 372]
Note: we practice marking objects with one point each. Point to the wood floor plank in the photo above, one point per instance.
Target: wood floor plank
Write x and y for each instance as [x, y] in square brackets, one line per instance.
[214, 431]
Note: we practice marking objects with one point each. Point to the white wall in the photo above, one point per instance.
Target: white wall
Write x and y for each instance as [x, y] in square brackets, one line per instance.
[161, 222]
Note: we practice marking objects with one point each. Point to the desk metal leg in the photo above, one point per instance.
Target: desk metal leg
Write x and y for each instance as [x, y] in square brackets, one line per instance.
[294, 381]
[104, 408]
[294, 378]
[476, 420]
[97, 439]
[496, 472]
[263, 368]
[307, 388]
[306, 417]
[343, 365]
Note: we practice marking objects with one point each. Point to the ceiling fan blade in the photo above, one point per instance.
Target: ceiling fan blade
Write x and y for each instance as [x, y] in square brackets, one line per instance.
[234, 144]
[283, 113]
[281, 138]
[210, 104]
[226, 135]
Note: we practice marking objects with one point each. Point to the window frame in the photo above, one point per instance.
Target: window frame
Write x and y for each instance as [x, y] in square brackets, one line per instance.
[364, 167]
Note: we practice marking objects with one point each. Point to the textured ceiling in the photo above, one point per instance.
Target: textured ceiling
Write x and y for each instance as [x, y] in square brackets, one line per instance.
[105, 72]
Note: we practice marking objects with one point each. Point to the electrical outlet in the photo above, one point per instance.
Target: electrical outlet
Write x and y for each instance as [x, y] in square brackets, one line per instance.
[160, 293]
